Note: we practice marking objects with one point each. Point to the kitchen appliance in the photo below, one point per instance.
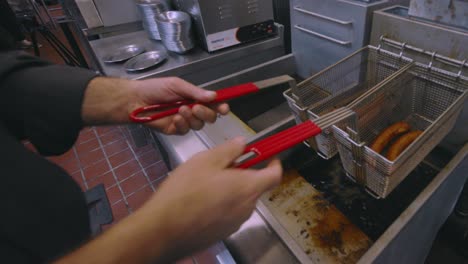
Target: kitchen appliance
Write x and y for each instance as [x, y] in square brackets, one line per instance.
[449, 12]
[324, 32]
[107, 13]
[225, 23]
[431, 101]
[395, 22]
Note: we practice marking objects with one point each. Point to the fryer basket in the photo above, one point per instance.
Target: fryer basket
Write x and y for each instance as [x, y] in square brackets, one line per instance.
[338, 86]
[429, 99]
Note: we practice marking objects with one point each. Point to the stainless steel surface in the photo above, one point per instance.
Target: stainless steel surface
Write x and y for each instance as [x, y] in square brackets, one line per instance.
[450, 12]
[446, 63]
[322, 36]
[198, 66]
[89, 13]
[116, 12]
[338, 86]
[409, 238]
[225, 258]
[323, 32]
[149, 10]
[275, 81]
[431, 102]
[394, 23]
[123, 53]
[220, 20]
[175, 30]
[145, 61]
[331, 19]
[273, 116]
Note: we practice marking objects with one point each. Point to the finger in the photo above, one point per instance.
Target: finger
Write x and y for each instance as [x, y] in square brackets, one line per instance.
[181, 125]
[223, 109]
[268, 178]
[204, 113]
[224, 155]
[194, 122]
[190, 91]
[163, 125]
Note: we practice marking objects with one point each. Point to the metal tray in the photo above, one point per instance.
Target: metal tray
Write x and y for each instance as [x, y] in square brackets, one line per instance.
[145, 61]
[123, 53]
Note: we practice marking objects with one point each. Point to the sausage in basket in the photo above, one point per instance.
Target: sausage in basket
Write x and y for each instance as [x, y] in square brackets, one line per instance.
[388, 134]
[402, 143]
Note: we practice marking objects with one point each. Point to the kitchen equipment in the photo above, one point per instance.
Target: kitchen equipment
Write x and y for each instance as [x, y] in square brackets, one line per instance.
[272, 235]
[222, 95]
[227, 23]
[450, 12]
[149, 10]
[430, 36]
[123, 53]
[428, 98]
[324, 32]
[339, 85]
[175, 28]
[145, 61]
[115, 12]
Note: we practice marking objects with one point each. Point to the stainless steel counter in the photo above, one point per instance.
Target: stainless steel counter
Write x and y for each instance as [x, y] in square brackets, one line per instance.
[197, 66]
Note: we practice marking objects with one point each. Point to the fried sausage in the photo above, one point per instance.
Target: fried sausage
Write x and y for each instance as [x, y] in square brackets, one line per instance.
[388, 134]
[402, 143]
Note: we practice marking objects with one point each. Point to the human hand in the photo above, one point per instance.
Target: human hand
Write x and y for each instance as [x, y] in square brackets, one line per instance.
[200, 203]
[205, 199]
[165, 90]
[110, 101]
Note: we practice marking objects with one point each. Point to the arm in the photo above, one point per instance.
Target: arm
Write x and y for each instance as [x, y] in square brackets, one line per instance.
[40, 101]
[202, 201]
[48, 104]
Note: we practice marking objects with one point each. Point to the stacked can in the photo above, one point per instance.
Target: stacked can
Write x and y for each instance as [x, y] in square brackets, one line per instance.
[175, 28]
[149, 10]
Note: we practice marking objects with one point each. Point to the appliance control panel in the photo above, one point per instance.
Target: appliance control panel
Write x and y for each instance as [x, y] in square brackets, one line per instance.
[239, 35]
[256, 31]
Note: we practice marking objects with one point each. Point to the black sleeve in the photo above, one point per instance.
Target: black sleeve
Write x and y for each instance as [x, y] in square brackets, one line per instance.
[42, 102]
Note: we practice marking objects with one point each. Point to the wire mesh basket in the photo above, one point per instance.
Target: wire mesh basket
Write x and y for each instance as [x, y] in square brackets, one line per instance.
[429, 99]
[338, 86]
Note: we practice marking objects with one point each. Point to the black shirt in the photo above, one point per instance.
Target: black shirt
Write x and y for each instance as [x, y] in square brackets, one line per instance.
[43, 211]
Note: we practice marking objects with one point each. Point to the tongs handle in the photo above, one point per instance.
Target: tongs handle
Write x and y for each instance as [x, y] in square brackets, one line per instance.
[169, 109]
[222, 95]
[271, 146]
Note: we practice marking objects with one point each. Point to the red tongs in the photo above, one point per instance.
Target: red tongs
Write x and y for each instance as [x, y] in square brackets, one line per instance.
[266, 148]
[222, 95]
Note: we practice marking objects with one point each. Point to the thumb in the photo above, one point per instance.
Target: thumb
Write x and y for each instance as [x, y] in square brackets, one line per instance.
[269, 177]
[224, 155]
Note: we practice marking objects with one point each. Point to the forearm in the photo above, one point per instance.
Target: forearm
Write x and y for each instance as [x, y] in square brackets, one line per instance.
[107, 101]
[139, 238]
